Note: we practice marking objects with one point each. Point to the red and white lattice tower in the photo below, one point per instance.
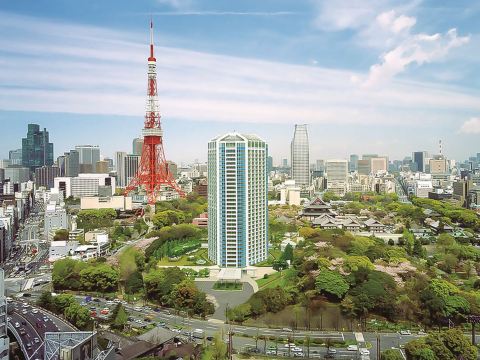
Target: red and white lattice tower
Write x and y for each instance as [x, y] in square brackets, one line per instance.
[153, 172]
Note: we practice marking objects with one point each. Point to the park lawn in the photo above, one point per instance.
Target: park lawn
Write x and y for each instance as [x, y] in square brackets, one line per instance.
[272, 281]
[273, 254]
[126, 261]
[184, 261]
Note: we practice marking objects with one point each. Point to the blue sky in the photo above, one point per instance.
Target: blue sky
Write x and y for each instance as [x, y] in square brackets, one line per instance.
[377, 76]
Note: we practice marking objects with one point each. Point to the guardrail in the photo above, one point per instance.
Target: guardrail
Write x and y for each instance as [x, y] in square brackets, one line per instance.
[18, 337]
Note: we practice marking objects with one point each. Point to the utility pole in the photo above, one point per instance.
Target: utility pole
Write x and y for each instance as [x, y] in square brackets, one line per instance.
[378, 347]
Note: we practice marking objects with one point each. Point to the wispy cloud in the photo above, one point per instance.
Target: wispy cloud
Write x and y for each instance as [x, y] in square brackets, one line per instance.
[471, 126]
[60, 67]
[416, 49]
[224, 13]
[177, 4]
[387, 25]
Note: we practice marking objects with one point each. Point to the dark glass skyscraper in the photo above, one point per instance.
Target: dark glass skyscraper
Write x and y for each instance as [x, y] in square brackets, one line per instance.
[36, 150]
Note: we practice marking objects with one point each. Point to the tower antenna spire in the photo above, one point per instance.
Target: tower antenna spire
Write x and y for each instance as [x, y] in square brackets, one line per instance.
[153, 174]
[152, 57]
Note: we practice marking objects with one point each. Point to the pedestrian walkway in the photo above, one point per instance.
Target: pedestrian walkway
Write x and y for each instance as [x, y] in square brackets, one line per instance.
[359, 337]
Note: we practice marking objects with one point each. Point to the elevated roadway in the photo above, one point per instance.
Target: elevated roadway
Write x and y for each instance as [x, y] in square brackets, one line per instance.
[29, 325]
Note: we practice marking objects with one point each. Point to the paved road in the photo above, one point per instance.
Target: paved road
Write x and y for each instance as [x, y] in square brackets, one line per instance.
[31, 324]
[225, 298]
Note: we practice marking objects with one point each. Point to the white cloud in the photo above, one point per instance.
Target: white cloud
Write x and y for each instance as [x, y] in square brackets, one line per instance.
[344, 14]
[471, 126]
[415, 49]
[177, 4]
[391, 22]
[88, 70]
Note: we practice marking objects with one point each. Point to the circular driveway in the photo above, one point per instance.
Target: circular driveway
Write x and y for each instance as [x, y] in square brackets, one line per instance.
[224, 297]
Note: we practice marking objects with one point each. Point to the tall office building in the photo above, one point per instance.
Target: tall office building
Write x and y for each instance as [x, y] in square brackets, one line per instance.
[131, 167]
[101, 167]
[45, 175]
[36, 150]
[72, 163]
[319, 165]
[419, 159]
[353, 164]
[17, 174]
[15, 157]
[364, 167]
[110, 163]
[120, 167]
[269, 164]
[284, 163]
[300, 156]
[4, 340]
[337, 170]
[438, 165]
[137, 146]
[88, 155]
[378, 164]
[173, 168]
[237, 200]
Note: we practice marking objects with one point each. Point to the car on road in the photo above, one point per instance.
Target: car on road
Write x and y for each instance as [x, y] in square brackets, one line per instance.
[137, 308]
[25, 312]
[22, 331]
[352, 348]
[405, 332]
[28, 346]
[297, 349]
[298, 354]
[271, 352]
[36, 340]
[364, 351]
[421, 332]
[35, 311]
[287, 330]
[104, 311]
[331, 351]
[17, 325]
[290, 345]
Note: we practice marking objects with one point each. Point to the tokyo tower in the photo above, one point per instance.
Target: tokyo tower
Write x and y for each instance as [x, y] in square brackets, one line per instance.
[153, 174]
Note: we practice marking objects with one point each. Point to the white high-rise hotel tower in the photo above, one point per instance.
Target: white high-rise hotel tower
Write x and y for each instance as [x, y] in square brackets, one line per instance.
[300, 156]
[237, 200]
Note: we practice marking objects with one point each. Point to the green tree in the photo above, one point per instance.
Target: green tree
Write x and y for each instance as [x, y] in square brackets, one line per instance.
[287, 253]
[167, 218]
[62, 302]
[102, 277]
[46, 301]
[140, 261]
[61, 234]
[134, 283]
[279, 265]
[186, 296]
[353, 263]
[331, 283]
[449, 344]
[66, 274]
[78, 316]
[240, 313]
[391, 354]
[121, 318]
[218, 349]
[160, 282]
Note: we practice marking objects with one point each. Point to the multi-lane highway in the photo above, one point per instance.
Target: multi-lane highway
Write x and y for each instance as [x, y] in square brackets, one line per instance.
[29, 325]
[245, 336]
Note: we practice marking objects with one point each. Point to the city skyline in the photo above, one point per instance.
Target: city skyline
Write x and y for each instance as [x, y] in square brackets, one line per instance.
[393, 102]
